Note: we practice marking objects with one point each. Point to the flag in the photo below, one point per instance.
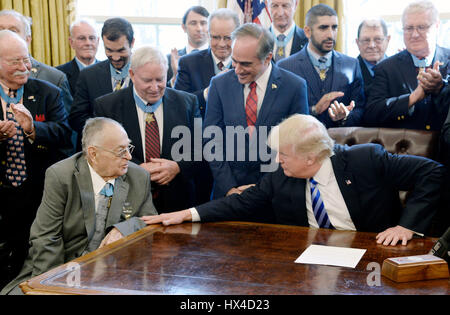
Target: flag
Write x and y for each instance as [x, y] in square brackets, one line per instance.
[261, 13]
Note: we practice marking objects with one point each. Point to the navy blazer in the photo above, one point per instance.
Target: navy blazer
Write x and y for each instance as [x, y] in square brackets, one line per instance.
[285, 95]
[395, 80]
[72, 72]
[93, 82]
[195, 72]
[180, 109]
[44, 102]
[369, 179]
[347, 78]
[367, 77]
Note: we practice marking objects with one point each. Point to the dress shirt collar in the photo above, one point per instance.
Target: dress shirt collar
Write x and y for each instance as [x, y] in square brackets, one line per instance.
[82, 65]
[98, 182]
[263, 80]
[325, 173]
[226, 63]
[189, 48]
[426, 62]
[286, 33]
[312, 54]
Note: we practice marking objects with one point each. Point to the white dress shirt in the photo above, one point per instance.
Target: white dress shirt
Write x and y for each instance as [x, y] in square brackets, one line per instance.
[261, 87]
[159, 115]
[332, 198]
[98, 183]
[288, 47]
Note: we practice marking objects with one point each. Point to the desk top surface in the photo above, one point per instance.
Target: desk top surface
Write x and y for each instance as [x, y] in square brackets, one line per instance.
[230, 259]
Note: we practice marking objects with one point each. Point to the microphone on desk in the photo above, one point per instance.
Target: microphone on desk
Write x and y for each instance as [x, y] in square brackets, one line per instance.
[442, 247]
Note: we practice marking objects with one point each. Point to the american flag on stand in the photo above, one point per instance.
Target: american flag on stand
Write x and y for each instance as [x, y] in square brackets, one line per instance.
[260, 8]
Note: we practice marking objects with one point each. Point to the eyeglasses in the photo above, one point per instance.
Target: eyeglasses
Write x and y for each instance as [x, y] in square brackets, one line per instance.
[120, 154]
[18, 62]
[219, 38]
[367, 41]
[421, 29]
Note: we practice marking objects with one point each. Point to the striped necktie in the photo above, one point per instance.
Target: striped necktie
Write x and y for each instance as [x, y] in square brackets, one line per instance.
[319, 207]
[152, 139]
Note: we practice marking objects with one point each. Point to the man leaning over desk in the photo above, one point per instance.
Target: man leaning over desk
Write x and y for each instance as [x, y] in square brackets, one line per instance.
[323, 185]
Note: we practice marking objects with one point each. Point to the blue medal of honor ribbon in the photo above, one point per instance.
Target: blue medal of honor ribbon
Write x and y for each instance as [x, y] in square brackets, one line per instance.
[119, 75]
[286, 40]
[144, 107]
[12, 100]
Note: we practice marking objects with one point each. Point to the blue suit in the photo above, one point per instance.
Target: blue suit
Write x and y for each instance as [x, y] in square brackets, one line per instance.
[395, 80]
[286, 95]
[344, 76]
[195, 72]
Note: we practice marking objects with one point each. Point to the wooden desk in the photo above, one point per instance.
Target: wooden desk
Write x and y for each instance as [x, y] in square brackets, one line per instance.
[229, 259]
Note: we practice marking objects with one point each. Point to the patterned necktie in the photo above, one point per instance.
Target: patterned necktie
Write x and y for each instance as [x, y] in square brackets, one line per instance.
[251, 106]
[319, 207]
[104, 203]
[16, 168]
[323, 68]
[220, 65]
[152, 140]
[281, 50]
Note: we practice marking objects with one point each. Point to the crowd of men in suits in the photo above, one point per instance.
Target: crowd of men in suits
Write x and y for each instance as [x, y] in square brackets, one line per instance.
[229, 76]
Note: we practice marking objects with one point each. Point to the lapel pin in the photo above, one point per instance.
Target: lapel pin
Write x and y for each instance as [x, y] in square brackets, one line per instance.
[31, 98]
[348, 182]
[274, 87]
[34, 70]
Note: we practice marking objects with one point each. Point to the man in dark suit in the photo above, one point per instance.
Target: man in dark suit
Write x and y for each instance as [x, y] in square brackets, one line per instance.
[84, 41]
[104, 77]
[150, 112]
[196, 70]
[71, 220]
[17, 23]
[34, 134]
[335, 84]
[195, 25]
[407, 89]
[253, 97]
[289, 38]
[372, 42]
[322, 185]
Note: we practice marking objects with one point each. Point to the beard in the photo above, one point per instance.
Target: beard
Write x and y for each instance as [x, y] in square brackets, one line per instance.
[321, 47]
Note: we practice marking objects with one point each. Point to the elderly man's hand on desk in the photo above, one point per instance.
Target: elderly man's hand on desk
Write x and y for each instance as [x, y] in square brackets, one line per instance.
[169, 218]
[393, 235]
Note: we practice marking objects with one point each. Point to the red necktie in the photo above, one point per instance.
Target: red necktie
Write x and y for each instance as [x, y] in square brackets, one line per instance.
[251, 107]
[152, 142]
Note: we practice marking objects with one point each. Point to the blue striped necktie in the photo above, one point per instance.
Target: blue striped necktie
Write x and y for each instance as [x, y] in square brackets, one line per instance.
[319, 207]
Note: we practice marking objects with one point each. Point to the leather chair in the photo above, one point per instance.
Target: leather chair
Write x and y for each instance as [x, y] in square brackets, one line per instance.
[396, 141]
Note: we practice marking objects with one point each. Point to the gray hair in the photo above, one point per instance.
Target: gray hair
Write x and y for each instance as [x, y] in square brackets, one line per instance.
[373, 23]
[422, 6]
[93, 131]
[305, 133]
[266, 39]
[86, 21]
[224, 14]
[148, 54]
[317, 11]
[25, 20]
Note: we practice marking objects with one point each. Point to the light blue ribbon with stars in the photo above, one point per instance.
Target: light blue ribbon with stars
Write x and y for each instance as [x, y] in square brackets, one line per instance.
[146, 108]
[12, 100]
[286, 40]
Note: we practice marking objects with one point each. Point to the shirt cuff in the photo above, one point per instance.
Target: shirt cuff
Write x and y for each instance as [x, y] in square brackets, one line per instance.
[195, 215]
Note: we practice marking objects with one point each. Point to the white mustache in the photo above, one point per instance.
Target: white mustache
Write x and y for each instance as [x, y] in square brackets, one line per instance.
[21, 73]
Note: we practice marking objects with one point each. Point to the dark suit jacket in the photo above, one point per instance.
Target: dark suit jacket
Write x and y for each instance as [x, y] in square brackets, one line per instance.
[180, 109]
[46, 73]
[65, 222]
[395, 80]
[369, 179]
[195, 72]
[93, 82]
[347, 78]
[72, 72]
[367, 77]
[300, 41]
[43, 100]
[285, 95]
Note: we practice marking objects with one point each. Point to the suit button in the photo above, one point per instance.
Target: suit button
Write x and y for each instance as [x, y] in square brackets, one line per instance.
[428, 127]
[399, 118]
[403, 117]
[3, 162]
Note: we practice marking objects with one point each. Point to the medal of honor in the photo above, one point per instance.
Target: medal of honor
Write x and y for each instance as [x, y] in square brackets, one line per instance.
[280, 51]
[323, 74]
[150, 118]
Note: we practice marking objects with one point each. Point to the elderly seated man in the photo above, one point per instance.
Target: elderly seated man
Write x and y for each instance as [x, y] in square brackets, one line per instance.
[94, 193]
[323, 185]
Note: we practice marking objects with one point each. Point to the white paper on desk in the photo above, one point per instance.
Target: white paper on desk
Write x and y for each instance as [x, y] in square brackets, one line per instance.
[331, 256]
